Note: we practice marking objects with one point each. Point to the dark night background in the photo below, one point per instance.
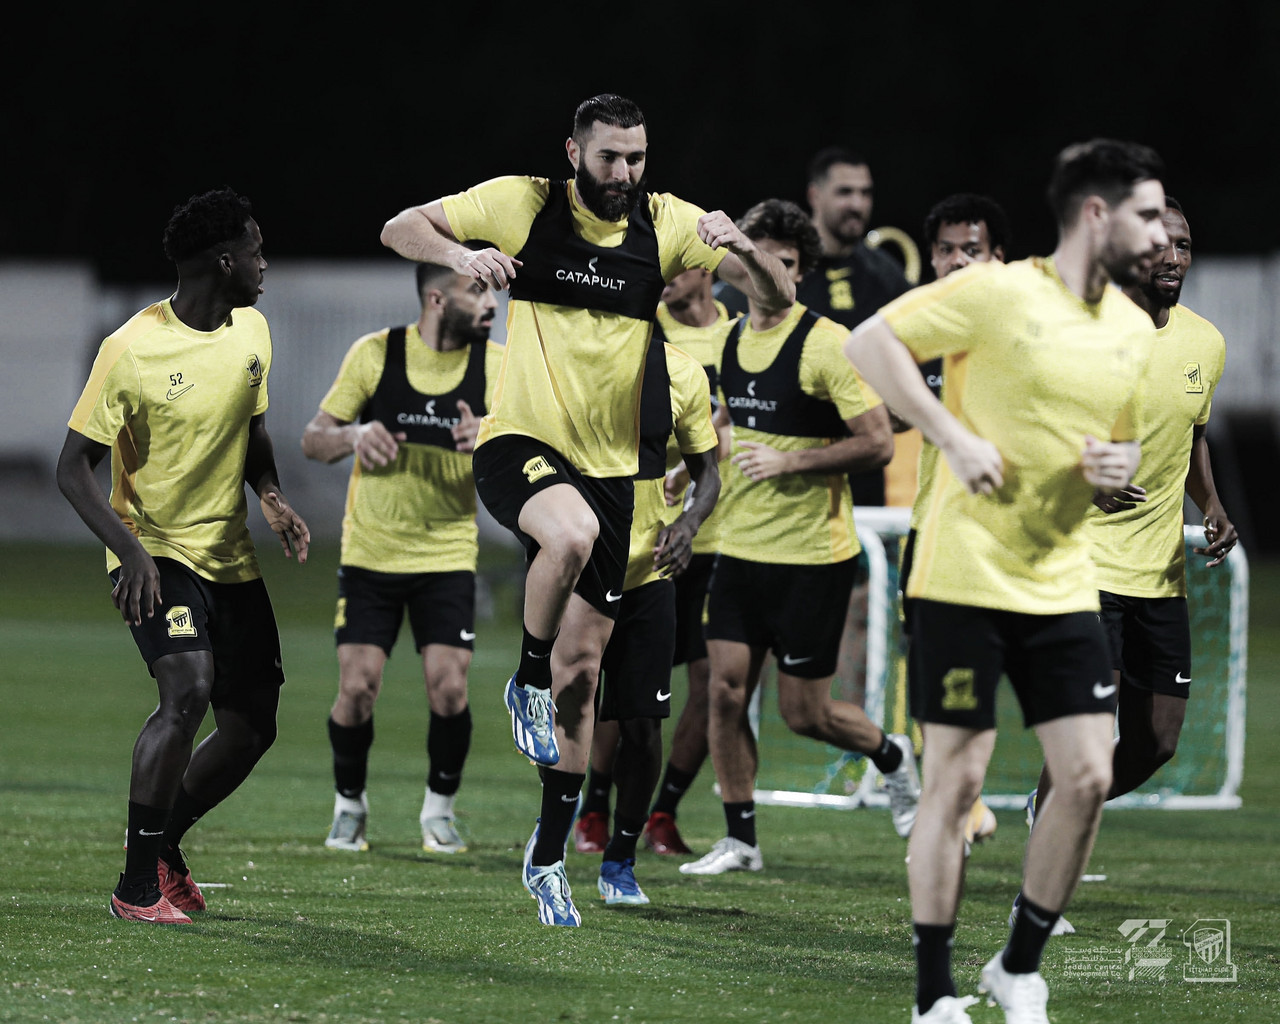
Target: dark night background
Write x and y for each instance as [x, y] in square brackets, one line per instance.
[331, 119]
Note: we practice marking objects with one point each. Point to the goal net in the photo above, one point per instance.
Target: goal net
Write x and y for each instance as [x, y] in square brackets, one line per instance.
[1205, 772]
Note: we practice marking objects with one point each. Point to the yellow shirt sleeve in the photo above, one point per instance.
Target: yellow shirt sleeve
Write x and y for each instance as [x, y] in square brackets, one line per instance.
[357, 378]
[110, 396]
[826, 373]
[499, 211]
[691, 403]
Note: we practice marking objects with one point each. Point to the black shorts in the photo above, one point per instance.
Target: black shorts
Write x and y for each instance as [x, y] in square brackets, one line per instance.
[371, 606]
[234, 621]
[691, 609]
[511, 469]
[797, 611]
[1150, 641]
[1058, 664]
[636, 667]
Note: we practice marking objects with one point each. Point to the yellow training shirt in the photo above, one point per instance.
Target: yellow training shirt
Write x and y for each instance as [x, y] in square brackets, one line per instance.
[418, 513]
[174, 404]
[1032, 368]
[571, 376]
[692, 434]
[796, 518]
[1140, 552]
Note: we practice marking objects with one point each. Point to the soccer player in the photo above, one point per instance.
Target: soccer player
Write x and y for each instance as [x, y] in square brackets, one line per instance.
[406, 403]
[801, 423]
[1136, 533]
[585, 262]
[178, 395]
[1002, 580]
[675, 424]
[961, 229]
[689, 317]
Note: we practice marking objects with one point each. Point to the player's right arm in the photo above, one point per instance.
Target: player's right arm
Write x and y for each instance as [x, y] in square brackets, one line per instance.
[888, 366]
[423, 234]
[138, 592]
[328, 439]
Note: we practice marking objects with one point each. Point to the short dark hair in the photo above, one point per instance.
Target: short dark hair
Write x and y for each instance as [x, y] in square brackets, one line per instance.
[1100, 167]
[607, 108]
[1173, 204]
[206, 221]
[825, 159]
[968, 208]
[429, 275]
[783, 221]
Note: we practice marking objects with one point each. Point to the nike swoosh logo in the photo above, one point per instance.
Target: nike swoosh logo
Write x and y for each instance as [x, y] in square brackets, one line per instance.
[568, 799]
[748, 814]
[1035, 918]
[465, 635]
[611, 597]
[178, 392]
[1178, 679]
[144, 832]
[629, 835]
[537, 657]
[1103, 692]
[664, 696]
[788, 660]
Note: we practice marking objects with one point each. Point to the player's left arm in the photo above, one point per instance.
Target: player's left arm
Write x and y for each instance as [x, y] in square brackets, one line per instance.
[748, 268]
[674, 546]
[1219, 531]
[260, 474]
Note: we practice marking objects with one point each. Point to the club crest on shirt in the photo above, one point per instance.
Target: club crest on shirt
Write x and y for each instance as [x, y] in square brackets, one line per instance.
[180, 621]
[1195, 382]
[254, 368]
[536, 468]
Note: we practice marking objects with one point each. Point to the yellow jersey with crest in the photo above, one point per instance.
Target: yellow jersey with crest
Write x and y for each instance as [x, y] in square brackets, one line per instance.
[571, 376]
[418, 513]
[795, 518]
[1032, 368]
[174, 404]
[1140, 552]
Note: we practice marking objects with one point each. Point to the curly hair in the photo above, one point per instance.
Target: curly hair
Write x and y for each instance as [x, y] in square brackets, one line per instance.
[783, 221]
[206, 221]
[968, 208]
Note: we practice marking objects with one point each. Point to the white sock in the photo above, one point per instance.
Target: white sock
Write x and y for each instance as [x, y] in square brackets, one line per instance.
[345, 803]
[437, 806]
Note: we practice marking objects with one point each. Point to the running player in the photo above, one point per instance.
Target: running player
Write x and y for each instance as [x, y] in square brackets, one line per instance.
[802, 422]
[1136, 533]
[406, 403]
[1002, 580]
[675, 425]
[178, 395]
[586, 261]
[690, 318]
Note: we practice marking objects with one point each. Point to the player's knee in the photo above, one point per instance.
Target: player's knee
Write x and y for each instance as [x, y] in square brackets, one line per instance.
[1088, 783]
[573, 541]
[802, 717]
[1166, 745]
[725, 699]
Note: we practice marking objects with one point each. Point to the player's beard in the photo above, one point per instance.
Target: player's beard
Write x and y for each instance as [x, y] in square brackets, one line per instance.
[597, 198]
[1126, 269]
[461, 326]
[1161, 297]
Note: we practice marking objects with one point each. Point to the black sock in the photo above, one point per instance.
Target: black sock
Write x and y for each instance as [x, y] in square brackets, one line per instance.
[559, 804]
[932, 943]
[595, 797]
[448, 742]
[622, 844]
[146, 833]
[675, 783]
[889, 757]
[535, 662]
[741, 819]
[1032, 926]
[350, 745]
[187, 810]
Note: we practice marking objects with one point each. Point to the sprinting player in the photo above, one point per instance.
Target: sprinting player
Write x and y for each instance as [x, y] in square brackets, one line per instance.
[1002, 580]
[585, 261]
[178, 395]
[406, 403]
[1136, 533]
[801, 423]
[961, 229]
[689, 317]
[675, 424]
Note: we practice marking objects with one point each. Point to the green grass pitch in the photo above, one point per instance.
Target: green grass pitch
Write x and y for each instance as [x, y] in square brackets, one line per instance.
[298, 933]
